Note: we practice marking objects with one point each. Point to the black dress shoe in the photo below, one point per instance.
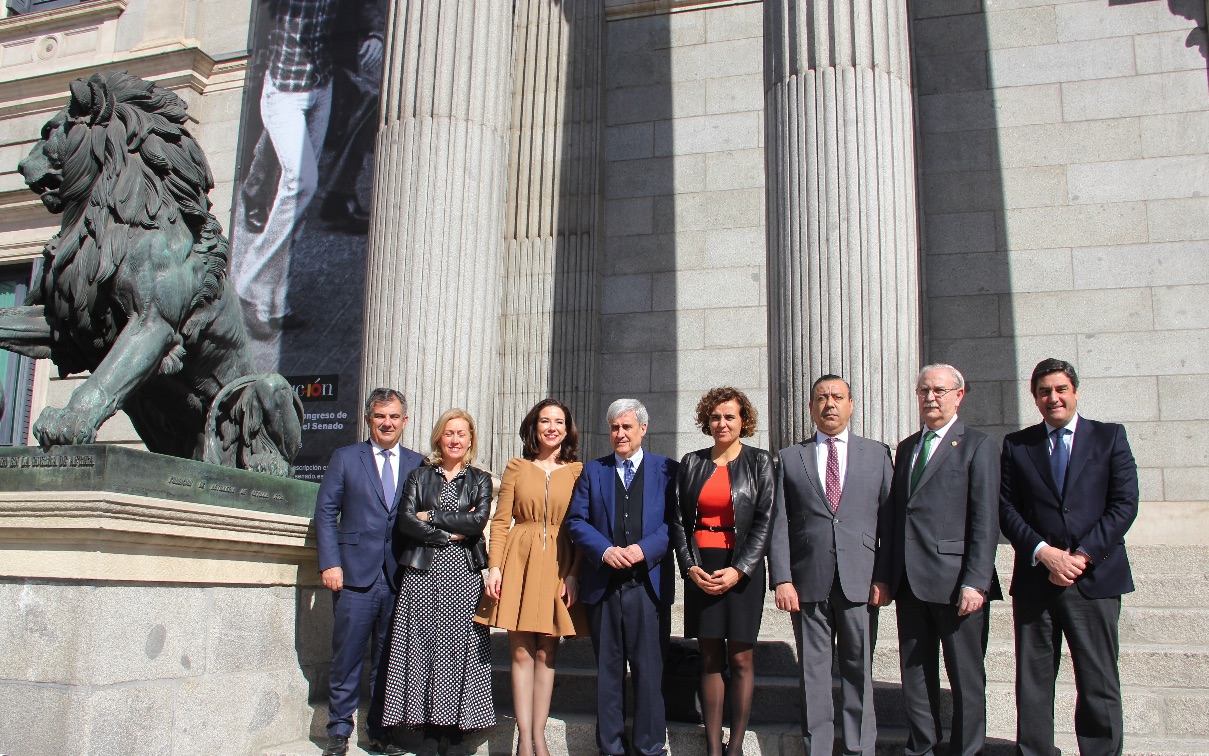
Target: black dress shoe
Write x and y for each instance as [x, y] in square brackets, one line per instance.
[344, 213]
[337, 745]
[255, 215]
[384, 746]
[428, 747]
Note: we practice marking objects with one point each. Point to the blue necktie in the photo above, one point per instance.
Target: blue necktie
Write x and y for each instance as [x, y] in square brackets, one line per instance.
[388, 480]
[1059, 457]
[627, 473]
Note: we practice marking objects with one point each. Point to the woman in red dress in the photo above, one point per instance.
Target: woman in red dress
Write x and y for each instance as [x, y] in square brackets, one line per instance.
[721, 537]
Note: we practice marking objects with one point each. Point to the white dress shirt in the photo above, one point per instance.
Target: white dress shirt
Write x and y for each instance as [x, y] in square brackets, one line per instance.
[394, 462]
[1068, 439]
[841, 452]
[636, 458]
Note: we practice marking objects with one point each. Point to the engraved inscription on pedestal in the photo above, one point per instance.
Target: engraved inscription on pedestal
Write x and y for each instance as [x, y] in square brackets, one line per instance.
[116, 469]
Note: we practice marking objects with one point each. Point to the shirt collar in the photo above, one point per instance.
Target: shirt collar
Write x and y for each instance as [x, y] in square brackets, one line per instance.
[1049, 429]
[636, 457]
[821, 438]
[394, 450]
[942, 430]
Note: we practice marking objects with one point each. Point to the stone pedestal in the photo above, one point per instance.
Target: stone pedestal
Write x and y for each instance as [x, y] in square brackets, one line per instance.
[843, 280]
[140, 625]
[436, 240]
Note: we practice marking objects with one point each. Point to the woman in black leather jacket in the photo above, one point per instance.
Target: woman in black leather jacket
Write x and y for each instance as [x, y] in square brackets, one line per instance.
[721, 536]
[439, 666]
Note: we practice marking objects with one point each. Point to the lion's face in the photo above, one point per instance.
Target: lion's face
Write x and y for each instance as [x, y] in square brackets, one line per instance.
[43, 166]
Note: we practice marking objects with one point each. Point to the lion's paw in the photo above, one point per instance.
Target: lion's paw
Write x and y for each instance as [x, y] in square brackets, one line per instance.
[56, 426]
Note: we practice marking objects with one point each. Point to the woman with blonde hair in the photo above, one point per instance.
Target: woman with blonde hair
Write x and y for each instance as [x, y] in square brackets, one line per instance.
[533, 567]
[724, 495]
[439, 666]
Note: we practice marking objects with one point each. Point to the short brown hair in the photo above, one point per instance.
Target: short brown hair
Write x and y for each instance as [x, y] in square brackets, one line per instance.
[568, 452]
[438, 430]
[716, 396]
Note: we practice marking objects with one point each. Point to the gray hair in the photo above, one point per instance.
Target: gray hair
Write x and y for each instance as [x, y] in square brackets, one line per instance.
[957, 376]
[384, 396]
[622, 406]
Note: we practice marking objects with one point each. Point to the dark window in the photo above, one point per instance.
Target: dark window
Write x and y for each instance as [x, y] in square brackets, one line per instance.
[21, 7]
[16, 372]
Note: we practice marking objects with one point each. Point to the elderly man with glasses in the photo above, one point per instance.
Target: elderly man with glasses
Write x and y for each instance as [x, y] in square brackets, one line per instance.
[940, 565]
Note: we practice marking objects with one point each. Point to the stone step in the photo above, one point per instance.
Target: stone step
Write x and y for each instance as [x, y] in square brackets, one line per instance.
[574, 735]
[1161, 665]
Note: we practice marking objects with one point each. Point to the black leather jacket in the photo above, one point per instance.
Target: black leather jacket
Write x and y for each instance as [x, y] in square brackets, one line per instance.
[422, 539]
[751, 491]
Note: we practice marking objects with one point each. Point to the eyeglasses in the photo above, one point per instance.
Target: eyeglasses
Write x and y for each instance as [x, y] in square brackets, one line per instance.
[922, 393]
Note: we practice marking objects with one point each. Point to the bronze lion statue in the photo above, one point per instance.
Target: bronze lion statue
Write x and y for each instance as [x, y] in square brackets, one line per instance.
[133, 287]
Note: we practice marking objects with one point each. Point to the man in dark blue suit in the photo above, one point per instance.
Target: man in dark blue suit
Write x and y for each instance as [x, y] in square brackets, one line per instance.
[358, 561]
[618, 519]
[1068, 493]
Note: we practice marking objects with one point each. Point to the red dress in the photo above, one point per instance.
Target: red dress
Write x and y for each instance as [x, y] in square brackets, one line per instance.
[714, 509]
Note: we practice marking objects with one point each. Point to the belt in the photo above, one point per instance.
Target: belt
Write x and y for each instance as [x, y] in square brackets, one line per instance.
[716, 528]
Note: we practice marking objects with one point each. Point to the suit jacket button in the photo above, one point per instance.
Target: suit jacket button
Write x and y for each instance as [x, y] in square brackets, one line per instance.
[836, 521]
[1065, 510]
[832, 550]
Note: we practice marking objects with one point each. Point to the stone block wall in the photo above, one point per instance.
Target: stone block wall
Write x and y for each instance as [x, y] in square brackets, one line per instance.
[683, 274]
[1064, 165]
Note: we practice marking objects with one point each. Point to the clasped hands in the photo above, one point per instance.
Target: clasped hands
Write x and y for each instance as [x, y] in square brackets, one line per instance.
[623, 557]
[1064, 566]
[717, 582]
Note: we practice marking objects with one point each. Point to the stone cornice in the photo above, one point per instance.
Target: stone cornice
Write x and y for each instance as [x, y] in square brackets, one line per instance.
[95, 12]
[121, 537]
[622, 9]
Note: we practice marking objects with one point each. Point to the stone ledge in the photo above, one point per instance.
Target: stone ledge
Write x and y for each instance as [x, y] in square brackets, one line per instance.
[123, 537]
[61, 19]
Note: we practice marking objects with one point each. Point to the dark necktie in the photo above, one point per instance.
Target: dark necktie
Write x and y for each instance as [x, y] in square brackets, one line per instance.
[1059, 457]
[921, 461]
[833, 476]
[627, 473]
[388, 479]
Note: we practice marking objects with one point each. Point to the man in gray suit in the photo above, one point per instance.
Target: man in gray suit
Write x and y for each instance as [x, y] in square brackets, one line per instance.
[830, 511]
[939, 563]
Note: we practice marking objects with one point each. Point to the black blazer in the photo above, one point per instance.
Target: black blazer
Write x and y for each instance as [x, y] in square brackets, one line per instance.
[945, 532]
[420, 494]
[751, 490]
[1099, 503]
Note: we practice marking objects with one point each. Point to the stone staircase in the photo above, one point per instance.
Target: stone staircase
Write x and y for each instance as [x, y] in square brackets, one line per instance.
[1164, 667]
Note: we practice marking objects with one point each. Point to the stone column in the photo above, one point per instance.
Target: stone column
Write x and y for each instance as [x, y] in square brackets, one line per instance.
[436, 240]
[551, 313]
[842, 256]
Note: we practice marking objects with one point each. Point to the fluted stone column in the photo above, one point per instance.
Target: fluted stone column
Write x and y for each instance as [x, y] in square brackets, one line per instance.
[842, 255]
[550, 320]
[436, 240]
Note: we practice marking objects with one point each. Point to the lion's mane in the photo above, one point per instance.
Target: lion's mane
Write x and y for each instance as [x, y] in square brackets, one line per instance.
[129, 167]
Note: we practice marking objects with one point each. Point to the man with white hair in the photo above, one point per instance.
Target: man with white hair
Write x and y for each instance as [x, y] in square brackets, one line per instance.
[939, 567]
[618, 520]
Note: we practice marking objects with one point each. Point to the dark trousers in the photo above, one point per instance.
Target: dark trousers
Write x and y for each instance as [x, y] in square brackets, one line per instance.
[625, 627]
[849, 629]
[924, 629]
[361, 616]
[1090, 628]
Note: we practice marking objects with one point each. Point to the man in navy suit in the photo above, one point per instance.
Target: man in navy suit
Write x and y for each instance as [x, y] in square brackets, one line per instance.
[618, 519]
[358, 561]
[1068, 493]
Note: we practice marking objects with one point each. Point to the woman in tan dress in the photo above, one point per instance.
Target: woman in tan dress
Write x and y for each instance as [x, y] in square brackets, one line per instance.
[532, 580]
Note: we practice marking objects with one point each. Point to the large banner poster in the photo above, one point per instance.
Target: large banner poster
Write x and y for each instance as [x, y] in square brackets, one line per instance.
[300, 216]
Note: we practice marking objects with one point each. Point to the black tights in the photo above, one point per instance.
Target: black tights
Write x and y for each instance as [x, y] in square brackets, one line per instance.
[436, 732]
[716, 654]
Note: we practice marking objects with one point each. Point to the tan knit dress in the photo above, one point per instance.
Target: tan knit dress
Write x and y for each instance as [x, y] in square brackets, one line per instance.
[529, 546]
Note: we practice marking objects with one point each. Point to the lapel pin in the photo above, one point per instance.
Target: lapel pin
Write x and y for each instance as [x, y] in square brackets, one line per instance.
[954, 443]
